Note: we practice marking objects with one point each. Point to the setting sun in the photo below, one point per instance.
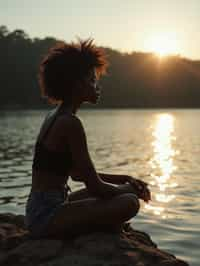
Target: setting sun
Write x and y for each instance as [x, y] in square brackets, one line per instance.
[163, 44]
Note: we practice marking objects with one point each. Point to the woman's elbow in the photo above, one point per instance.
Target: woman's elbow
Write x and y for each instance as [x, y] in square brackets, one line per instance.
[91, 180]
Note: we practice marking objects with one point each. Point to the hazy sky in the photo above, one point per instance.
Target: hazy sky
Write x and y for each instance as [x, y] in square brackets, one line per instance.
[128, 25]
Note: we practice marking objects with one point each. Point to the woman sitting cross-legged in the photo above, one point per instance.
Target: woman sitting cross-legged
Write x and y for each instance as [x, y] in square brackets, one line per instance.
[68, 77]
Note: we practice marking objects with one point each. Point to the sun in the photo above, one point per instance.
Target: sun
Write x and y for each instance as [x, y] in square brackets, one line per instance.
[163, 44]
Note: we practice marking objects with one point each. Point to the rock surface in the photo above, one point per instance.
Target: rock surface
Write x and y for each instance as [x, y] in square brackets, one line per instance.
[120, 248]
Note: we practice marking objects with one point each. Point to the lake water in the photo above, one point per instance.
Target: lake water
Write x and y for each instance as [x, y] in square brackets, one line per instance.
[161, 147]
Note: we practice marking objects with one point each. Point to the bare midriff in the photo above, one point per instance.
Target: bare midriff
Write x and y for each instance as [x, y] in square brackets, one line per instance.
[42, 181]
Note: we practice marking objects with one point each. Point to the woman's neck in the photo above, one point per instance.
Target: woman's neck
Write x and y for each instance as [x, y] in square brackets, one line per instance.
[71, 108]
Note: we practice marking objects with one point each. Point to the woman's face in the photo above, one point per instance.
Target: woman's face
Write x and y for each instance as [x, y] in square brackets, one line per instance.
[90, 89]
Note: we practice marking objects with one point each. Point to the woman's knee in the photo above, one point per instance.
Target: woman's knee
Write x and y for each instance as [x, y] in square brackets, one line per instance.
[131, 204]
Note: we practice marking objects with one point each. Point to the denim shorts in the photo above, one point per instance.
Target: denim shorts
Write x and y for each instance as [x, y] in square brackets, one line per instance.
[40, 208]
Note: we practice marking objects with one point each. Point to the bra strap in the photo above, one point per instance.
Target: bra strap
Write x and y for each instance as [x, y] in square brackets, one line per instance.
[54, 114]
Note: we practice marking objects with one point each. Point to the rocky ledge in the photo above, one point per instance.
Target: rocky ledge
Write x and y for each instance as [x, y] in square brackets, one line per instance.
[122, 247]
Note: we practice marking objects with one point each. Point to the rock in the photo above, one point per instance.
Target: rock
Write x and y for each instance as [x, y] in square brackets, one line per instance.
[122, 247]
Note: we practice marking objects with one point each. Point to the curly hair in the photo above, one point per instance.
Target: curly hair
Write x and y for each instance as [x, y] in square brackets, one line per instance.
[67, 63]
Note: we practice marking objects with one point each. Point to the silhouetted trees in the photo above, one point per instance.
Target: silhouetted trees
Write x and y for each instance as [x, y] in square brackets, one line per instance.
[134, 79]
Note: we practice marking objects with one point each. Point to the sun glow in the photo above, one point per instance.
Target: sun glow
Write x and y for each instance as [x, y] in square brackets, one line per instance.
[163, 44]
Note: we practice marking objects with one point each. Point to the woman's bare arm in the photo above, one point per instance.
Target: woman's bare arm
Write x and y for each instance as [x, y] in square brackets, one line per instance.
[75, 137]
[109, 178]
[113, 178]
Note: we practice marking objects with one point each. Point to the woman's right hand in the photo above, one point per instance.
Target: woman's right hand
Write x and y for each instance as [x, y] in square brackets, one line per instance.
[141, 188]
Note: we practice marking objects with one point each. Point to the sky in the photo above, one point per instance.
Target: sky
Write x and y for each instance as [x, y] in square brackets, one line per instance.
[170, 26]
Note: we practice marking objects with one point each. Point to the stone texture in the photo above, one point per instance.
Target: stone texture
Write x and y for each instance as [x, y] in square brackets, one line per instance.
[122, 247]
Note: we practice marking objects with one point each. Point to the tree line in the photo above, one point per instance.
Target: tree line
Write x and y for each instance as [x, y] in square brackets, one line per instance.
[133, 80]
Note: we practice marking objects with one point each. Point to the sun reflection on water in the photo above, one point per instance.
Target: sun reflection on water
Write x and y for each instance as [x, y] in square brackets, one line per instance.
[162, 164]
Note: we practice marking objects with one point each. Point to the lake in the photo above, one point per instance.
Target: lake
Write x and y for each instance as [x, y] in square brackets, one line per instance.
[160, 146]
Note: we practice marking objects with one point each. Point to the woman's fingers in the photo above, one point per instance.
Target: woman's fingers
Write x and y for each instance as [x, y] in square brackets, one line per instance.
[145, 192]
[141, 186]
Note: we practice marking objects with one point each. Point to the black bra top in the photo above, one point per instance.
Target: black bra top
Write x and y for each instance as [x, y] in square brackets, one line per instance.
[51, 161]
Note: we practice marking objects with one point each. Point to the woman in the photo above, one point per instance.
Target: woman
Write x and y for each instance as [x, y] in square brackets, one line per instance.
[68, 77]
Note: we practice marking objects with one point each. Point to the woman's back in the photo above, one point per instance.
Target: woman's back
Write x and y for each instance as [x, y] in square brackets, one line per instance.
[52, 160]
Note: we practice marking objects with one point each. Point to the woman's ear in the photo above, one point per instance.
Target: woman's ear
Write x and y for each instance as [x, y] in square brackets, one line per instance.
[79, 89]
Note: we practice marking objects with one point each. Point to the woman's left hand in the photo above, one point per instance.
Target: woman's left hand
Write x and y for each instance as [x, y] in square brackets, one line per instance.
[141, 188]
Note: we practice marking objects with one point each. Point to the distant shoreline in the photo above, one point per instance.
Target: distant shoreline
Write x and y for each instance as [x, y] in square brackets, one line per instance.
[17, 108]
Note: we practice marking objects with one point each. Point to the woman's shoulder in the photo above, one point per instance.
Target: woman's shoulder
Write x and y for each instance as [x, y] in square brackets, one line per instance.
[70, 122]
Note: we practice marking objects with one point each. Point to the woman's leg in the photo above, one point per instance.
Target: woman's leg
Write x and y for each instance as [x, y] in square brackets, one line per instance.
[79, 195]
[82, 216]
[84, 193]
